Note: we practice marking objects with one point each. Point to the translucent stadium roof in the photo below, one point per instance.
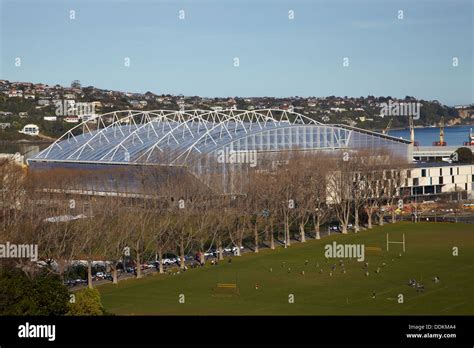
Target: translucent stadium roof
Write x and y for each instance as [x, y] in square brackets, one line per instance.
[169, 137]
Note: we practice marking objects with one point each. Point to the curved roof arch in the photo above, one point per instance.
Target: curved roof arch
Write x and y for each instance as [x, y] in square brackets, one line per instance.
[168, 137]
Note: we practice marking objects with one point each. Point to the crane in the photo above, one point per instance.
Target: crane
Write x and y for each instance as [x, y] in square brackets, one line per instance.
[385, 131]
[441, 141]
[412, 132]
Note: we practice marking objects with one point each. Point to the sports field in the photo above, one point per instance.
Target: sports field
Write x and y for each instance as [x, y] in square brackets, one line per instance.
[280, 278]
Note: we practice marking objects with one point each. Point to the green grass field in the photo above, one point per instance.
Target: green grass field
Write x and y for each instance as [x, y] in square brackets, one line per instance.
[429, 253]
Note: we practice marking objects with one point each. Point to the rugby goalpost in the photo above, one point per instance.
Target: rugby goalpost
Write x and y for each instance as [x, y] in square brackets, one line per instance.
[394, 242]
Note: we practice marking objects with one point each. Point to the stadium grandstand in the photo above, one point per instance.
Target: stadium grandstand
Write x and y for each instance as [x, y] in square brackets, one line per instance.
[202, 142]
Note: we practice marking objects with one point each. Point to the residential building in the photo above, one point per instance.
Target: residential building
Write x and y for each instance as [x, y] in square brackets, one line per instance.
[30, 129]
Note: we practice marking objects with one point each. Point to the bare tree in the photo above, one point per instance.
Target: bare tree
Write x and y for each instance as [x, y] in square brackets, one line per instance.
[340, 188]
[116, 234]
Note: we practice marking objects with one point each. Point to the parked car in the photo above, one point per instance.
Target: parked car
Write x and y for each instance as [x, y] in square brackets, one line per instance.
[166, 262]
[70, 282]
[211, 252]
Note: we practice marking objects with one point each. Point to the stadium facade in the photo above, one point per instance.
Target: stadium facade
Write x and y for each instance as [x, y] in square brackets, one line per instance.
[200, 141]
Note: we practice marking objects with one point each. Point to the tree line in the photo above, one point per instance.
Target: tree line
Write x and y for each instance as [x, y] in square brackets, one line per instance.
[282, 200]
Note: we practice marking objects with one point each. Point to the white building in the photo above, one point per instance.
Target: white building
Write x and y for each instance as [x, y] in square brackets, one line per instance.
[44, 102]
[440, 178]
[71, 119]
[338, 109]
[30, 129]
[87, 117]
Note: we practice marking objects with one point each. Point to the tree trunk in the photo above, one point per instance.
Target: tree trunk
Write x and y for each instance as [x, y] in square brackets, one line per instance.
[381, 222]
[255, 231]
[303, 236]
[138, 265]
[61, 267]
[316, 226]
[394, 218]
[114, 273]
[272, 237]
[369, 219]
[239, 244]
[287, 233]
[344, 222]
[356, 220]
[181, 254]
[89, 274]
[344, 229]
[160, 261]
[202, 258]
[220, 250]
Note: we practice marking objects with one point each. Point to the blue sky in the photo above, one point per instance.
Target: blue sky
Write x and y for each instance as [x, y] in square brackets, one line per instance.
[277, 56]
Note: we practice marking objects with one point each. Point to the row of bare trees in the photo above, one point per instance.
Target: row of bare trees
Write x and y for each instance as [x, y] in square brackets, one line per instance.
[65, 213]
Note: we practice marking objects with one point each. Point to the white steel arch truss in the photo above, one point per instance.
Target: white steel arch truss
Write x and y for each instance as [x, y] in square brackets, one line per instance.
[168, 137]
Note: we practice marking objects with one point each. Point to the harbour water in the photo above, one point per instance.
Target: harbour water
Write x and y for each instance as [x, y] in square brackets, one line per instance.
[456, 135]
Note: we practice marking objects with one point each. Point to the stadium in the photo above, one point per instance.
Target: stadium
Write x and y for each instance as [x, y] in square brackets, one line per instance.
[199, 141]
